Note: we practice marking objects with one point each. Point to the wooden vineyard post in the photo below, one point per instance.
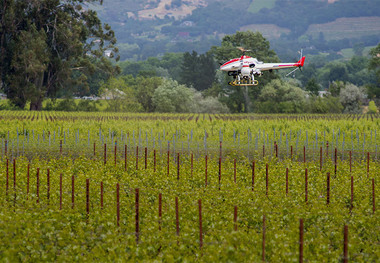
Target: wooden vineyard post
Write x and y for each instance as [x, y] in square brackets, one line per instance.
[306, 182]
[118, 204]
[206, 170]
[328, 189]
[263, 150]
[38, 185]
[291, 152]
[101, 195]
[177, 219]
[137, 218]
[253, 175]
[301, 242]
[287, 180]
[345, 244]
[200, 224]
[266, 180]
[72, 192]
[235, 218]
[159, 211]
[60, 191]
[105, 154]
[263, 246]
[327, 148]
[60, 147]
[94, 149]
[276, 147]
[235, 171]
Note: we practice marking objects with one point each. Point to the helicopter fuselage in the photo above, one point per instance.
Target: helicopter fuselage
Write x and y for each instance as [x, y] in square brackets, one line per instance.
[247, 67]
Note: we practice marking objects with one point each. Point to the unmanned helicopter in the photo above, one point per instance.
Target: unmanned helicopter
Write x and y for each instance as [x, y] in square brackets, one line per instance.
[244, 69]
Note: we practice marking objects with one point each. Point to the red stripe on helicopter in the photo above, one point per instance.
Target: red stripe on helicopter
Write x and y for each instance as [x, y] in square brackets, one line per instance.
[231, 61]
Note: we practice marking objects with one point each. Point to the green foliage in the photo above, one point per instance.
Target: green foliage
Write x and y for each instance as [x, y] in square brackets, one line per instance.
[208, 104]
[169, 66]
[351, 97]
[47, 47]
[328, 104]
[198, 71]
[120, 96]
[335, 88]
[313, 87]
[238, 98]
[372, 109]
[144, 89]
[374, 65]
[34, 231]
[172, 97]
[280, 97]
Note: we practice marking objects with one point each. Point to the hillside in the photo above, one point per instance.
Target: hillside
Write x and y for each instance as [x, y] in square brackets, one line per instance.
[152, 27]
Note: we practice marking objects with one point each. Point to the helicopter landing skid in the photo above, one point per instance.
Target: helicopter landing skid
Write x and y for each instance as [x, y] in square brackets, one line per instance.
[243, 82]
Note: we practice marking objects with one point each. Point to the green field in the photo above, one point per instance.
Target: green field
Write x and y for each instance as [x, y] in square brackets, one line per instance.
[348, 53]
[346, 28]
[105, 187]
[257, 5]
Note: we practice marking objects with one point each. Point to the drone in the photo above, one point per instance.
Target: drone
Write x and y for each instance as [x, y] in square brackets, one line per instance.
[244, 69]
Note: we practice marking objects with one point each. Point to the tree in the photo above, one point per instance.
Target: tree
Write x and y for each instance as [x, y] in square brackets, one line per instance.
[238, 98]
[208, 104]
[173, 97]
[351, 98]
[374, 65]
[313, 87]
[48, 46]
[198, 71]
[281, 97]
[335, 88]
[120, 96]
[144, 89]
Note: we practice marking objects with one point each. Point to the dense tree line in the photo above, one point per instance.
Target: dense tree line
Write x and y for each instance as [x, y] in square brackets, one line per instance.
[50, 46]
[190, 82]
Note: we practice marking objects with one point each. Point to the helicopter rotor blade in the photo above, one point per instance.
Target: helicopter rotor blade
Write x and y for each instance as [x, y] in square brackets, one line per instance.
[294, 70]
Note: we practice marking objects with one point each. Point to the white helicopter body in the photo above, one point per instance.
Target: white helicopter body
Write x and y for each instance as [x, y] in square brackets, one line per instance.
[245, 68]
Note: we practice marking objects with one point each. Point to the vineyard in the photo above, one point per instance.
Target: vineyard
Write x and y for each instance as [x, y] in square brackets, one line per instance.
[177, 187]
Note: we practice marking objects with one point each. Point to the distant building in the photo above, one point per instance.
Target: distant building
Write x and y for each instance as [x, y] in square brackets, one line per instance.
[3, 96]
[112, 94]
